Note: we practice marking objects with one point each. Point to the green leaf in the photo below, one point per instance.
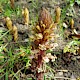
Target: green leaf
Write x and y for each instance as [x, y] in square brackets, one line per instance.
[8, 13]
[4, 34]
[66, 49]
[72, 2]
[29, 78]
[1, 70]
[6, 75]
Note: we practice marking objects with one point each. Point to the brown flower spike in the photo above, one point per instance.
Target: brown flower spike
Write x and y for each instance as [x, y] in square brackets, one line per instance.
[43, 31]
[43, 39]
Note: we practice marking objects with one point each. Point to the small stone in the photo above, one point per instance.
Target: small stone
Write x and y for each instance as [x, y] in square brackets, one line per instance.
[59, 74]
[65, 25]
[73, 77]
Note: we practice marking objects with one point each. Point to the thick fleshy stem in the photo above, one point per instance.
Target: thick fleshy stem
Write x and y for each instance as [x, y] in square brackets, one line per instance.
[40, 71]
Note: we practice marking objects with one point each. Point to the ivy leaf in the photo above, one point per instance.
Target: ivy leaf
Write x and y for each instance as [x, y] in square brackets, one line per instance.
[66, 49]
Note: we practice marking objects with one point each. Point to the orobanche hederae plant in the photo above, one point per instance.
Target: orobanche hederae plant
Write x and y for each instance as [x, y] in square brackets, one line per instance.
[43, 39]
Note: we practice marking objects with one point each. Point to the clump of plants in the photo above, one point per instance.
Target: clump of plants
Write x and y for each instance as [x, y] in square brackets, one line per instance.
[9, 8]
[72, 47]
[12, 61]
[42, 39]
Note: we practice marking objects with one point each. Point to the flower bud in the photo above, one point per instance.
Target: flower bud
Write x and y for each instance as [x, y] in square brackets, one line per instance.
[8, 23]
[72, 23]
[15, 33]
[58, 13]
[25, 13]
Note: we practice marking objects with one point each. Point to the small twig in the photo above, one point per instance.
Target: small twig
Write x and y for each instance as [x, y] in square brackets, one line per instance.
[18, 71]
[4, 65]
[50, 68]
[17, 42]
[62, 70]
[62, 78]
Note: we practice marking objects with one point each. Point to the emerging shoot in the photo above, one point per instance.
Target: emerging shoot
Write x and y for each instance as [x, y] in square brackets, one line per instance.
[15, 33]
[58, 13]
[25, 14]
[72, 23]
[9, 23]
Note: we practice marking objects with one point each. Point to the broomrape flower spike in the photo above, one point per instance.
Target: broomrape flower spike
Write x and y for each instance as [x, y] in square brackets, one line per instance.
[25, 14]
[72, 27]
[15, 33]
[58, 13]
[42, 40]
[13, 29]
[9, 23]
[72, 23]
